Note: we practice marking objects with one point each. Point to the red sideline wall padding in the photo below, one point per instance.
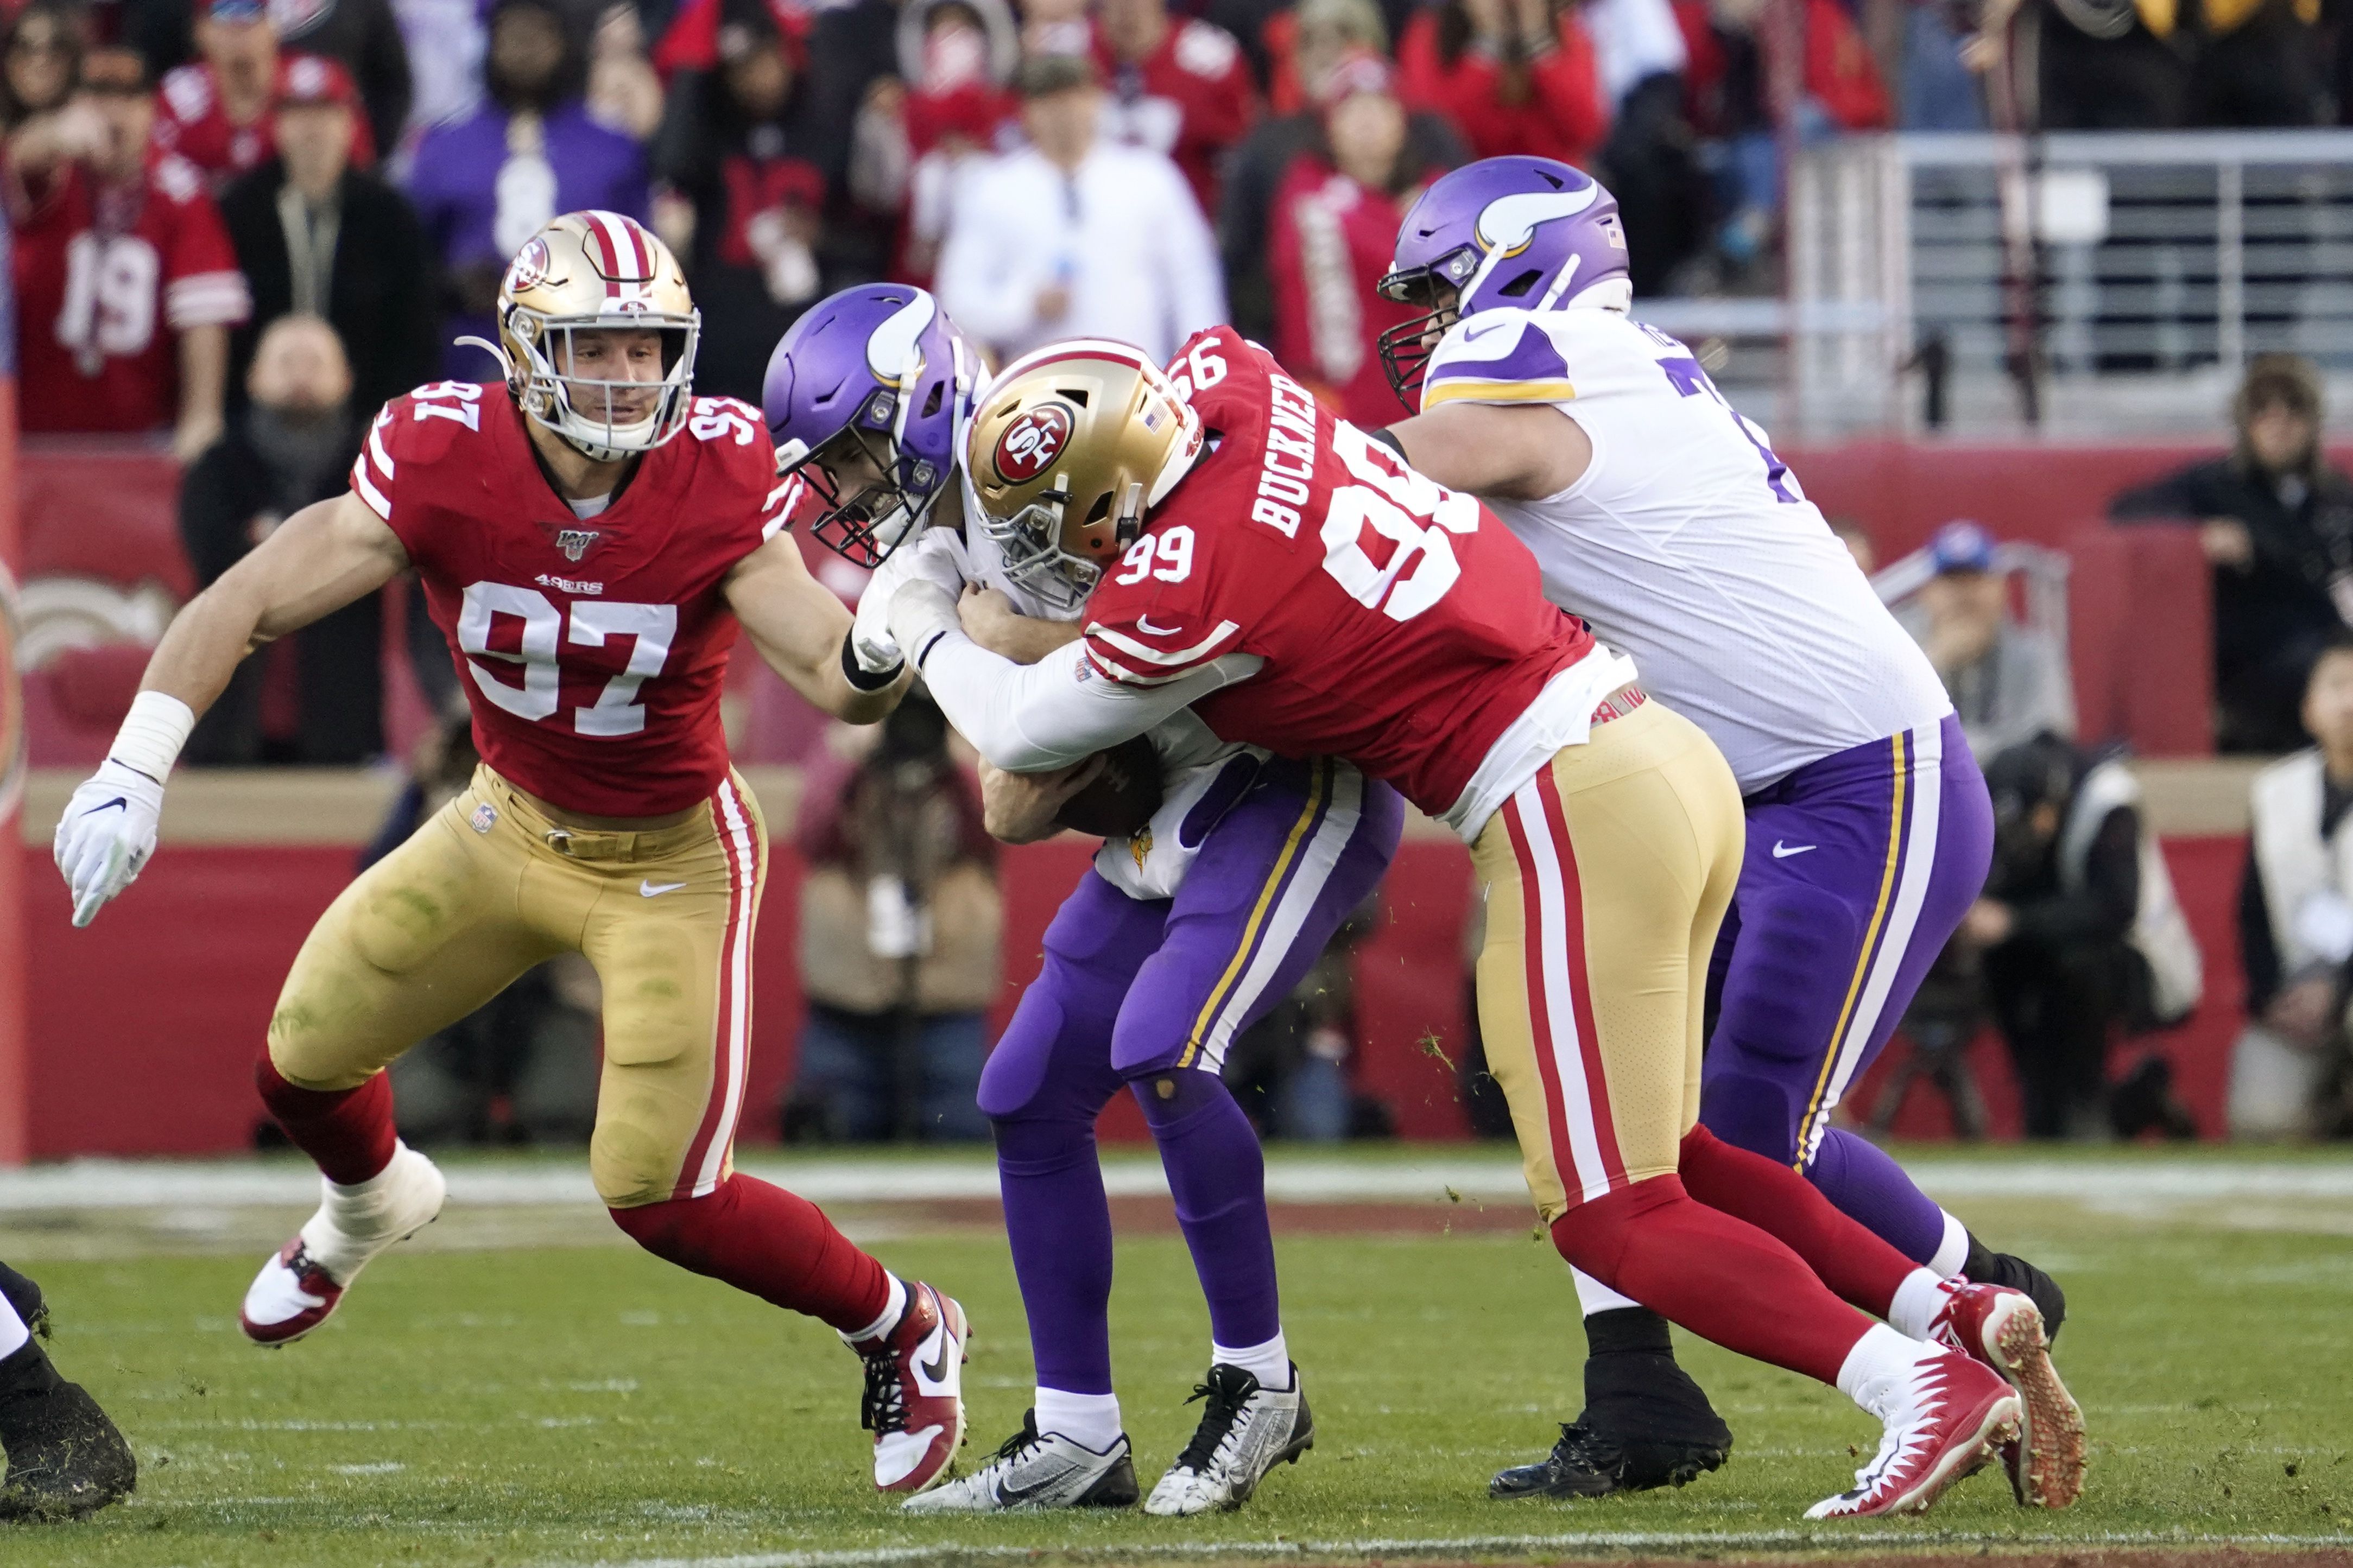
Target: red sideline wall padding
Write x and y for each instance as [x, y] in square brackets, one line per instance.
[145, 1025]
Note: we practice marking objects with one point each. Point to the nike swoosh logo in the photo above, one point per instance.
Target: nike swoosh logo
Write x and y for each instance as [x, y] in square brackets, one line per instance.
[1783, 851]
[935, 1371]
[1144, 625]
[1022, 1494]
[656, 890]
[110, 805]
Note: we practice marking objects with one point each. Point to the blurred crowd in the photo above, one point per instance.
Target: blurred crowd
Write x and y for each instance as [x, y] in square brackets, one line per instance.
[181, 173]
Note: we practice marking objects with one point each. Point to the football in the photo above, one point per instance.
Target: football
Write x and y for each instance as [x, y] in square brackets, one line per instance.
[1121, 798]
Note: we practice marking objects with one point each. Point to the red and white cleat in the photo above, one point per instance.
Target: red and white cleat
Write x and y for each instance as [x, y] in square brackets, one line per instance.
[2003, 1329]
[300, 1288]
[1945, 1415]
[915, 1399]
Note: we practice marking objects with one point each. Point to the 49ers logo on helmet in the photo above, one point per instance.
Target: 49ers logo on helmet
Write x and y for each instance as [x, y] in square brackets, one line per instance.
[1031, 443]
[530, 268]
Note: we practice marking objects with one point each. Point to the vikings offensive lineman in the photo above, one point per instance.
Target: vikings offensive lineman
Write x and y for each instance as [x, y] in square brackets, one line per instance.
[1300, 588]
[1178, 938]
[1662, 518]
[589, 536]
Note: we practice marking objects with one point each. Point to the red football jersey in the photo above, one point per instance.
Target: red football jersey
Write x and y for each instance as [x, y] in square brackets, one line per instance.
[1190, 97]
[190, 120]
[1403, 628]
[104, 277]
[593, 649]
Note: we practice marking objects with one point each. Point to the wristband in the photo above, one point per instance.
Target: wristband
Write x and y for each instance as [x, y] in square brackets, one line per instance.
[152, 734]
[864, 679]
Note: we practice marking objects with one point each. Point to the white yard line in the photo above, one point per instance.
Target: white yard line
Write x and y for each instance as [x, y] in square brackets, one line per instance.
[1468, 1545]
[2127, 1185]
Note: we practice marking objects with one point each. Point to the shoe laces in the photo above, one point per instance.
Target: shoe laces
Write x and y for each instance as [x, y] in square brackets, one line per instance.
[1227, 1395]
[884, 1408]
[1009, 1452]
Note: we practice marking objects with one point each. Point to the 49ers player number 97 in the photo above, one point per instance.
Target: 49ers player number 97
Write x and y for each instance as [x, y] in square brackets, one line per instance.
[589, 536]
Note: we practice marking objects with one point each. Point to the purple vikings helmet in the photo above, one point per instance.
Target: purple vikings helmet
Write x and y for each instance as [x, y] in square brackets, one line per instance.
[876, 370]
[1525, 232]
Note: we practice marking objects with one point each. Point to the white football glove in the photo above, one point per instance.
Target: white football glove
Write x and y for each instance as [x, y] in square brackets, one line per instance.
[929, 558]
[919, 610]
[106, 834]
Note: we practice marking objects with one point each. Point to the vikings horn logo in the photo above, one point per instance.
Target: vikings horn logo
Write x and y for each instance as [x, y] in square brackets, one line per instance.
[574, 541]
[1031, 443]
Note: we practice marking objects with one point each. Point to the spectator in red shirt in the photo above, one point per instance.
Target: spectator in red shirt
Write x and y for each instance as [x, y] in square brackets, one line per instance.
[1178, 85]
[1515, 76]
[1334, 229]
[126, 286]
[215, 112]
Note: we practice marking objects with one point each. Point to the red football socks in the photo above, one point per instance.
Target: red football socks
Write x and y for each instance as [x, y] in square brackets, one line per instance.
[347, 1132]
[1852, 1260]
[1723, 1279]
[772, 1243]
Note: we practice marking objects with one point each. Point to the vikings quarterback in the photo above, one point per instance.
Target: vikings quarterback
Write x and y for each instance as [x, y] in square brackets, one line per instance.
[1300, 588]
[589, 536]
[1663, 517]
[1184, 933]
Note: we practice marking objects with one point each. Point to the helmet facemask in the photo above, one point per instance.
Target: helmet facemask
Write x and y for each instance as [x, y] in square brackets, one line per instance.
[1404, 349]
[875, 493]
[608, 418]
[1035, 557]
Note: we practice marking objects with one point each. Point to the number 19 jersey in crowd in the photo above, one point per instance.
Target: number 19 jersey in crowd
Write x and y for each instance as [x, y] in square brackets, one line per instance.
[1688, 543]
[592, 647]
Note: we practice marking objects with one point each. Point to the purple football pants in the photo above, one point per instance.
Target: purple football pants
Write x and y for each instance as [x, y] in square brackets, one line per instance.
[1150, 993]
[1859, 867]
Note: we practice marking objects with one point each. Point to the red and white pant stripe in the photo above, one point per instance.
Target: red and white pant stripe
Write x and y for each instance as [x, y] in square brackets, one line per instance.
[740, 840]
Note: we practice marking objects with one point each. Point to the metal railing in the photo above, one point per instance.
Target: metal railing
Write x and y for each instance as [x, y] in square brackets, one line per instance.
[2080, 283]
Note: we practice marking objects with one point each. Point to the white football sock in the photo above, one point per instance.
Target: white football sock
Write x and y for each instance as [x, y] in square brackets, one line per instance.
[1917, 1301]
[13, 1333]
[1090, 1420]
[354, 1217]
[1593, 1296]
[1875, 1363]
[1269, 1363]
[892, 1308]
[1953, 1251]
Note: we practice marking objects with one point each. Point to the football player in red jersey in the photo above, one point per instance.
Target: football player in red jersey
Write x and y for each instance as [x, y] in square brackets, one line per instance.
[588, 536]
[1302, 589]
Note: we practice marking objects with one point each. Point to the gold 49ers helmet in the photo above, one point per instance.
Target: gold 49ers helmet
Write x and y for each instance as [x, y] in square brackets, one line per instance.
[1072, 443]
[589, 271]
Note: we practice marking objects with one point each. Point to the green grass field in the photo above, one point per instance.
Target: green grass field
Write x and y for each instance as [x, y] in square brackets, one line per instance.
[520, 1390]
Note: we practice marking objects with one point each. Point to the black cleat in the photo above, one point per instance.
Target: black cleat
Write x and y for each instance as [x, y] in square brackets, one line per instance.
[64, 1457]
[1645, 1424]
[1986, 1268]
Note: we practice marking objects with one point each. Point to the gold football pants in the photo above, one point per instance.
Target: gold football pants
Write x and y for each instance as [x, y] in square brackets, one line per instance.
[489, 888]
[1605, 877]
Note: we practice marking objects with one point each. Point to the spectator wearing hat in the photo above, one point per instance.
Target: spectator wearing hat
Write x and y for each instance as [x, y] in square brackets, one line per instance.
[215, 111]
[316, 236]
[1336, 225]
[125, 283]
[1178, 85]
[1320, 34]
[1077, 236]
[1516, 75]
[2275, 519]
[918, 140]
[2008, 683]
[364, 38]
[484, 185]
[748, 164]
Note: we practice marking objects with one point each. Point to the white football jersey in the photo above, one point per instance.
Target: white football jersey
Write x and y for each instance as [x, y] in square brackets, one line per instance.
[1152, 864]
[1688, 544]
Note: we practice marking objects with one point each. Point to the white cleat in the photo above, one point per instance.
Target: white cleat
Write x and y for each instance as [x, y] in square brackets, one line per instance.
[1038, 1470]
[1245, 1430]
[1946, 1414]
[300, 1288]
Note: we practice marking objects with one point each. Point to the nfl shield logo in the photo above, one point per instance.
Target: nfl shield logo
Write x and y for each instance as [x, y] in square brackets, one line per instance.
[574, 541]
[485, 817]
